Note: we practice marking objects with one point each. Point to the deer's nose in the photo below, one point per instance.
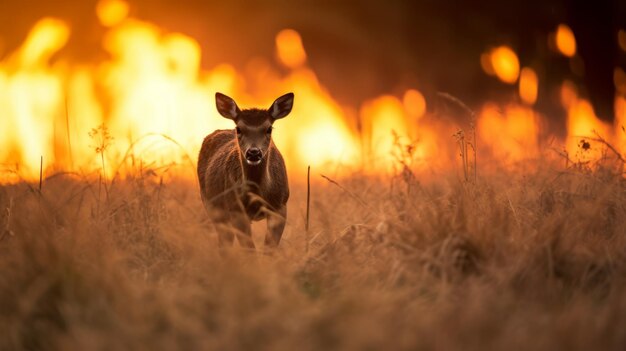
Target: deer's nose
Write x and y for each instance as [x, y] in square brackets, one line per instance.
[254, 154]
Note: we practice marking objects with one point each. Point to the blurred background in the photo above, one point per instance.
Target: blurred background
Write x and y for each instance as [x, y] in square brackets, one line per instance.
[361, 49]
[362, 70]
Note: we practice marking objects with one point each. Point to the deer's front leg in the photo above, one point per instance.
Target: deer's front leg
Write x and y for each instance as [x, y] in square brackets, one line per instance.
[275, 225]
[243, 231]
[222, 226]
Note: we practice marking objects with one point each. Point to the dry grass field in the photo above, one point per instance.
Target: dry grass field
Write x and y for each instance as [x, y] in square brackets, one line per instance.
[533, 260]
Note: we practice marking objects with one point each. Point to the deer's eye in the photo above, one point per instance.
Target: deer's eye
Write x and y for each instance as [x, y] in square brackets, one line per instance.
[269, 130]
[238, 130]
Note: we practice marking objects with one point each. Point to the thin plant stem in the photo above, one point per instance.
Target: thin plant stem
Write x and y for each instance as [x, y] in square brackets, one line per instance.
[40, 173]
[308, 207]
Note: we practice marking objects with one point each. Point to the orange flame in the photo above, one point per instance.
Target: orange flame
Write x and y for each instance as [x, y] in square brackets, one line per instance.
[382, 117]
[414, 104]
[582, 124]
[510, 135]
[31, 93]
[155, 100]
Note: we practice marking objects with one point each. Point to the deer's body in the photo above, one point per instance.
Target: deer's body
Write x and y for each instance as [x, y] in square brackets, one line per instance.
[220, 169]
[242, 175]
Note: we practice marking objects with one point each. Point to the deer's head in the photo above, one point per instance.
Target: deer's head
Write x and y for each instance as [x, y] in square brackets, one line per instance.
[254, 126]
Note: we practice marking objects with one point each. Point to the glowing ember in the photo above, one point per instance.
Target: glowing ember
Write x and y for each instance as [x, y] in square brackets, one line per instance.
[528, 85]
[112, 12]
[414, 104]
[505, 64]
[565, 40]
[290, 49]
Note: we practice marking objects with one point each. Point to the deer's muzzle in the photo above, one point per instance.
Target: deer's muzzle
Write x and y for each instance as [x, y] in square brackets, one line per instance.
[254, 156]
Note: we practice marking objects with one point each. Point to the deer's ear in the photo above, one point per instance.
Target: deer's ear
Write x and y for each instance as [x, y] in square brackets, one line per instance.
[226, 106]
[282, 106]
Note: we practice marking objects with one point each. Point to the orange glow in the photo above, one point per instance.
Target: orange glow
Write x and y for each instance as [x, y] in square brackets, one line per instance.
[47, 37]
[528, 85]
[619, 79]
[155, 90]
[315, 133]
[505, 64]
[290, 49]
[111, 12]
[621, 39]
[381, 118]
[511, 134]
[581, 123]
[485, 63]
[157, 103]
[30, 98]
[620, 124]
[414, 104]
[565, 40]
[568, 94]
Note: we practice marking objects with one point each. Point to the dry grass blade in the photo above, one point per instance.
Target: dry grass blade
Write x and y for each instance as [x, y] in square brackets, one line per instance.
[134, 144]
[460, 136]
[457, 102]
[40, 173]
[308, 208]
[353, 195]
[67, 132]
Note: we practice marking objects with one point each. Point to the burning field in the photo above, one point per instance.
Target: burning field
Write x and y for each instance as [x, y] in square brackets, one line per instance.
[432, 222]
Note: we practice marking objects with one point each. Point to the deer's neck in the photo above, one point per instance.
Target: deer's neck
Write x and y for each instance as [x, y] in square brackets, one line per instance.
[256, 174]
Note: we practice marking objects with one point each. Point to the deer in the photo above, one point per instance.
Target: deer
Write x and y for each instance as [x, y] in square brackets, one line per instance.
[242, 174]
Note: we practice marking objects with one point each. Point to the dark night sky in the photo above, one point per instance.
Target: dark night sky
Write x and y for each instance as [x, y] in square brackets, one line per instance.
[363, 48]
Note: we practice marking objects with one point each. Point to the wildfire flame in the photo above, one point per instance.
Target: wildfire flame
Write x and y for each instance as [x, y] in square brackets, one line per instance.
[150, 104]
[512, 134]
